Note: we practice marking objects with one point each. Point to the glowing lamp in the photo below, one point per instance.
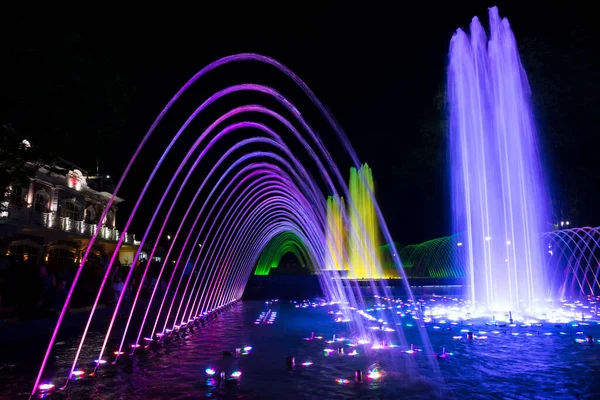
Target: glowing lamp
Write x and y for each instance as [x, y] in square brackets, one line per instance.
[374, 375]
[44, 387]
[78, 374]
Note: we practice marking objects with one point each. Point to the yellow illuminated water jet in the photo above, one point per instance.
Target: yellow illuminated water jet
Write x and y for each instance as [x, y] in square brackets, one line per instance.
[355, 246]
[336, 232]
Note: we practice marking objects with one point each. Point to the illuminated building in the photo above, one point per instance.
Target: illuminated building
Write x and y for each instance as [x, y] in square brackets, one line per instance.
[53, 219]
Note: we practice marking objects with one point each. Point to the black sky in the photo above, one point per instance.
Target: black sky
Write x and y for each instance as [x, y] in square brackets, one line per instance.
[376, 65]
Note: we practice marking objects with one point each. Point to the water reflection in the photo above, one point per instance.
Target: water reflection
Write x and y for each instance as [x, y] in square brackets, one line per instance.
[543, 361]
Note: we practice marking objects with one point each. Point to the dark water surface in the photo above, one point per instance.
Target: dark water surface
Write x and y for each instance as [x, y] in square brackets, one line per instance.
[505, 365]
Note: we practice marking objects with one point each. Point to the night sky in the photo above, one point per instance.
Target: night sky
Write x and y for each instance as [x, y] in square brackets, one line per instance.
[377, 67]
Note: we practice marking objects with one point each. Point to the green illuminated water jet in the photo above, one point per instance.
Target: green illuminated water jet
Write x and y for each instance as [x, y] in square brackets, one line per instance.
[352, 242]
[286, 242]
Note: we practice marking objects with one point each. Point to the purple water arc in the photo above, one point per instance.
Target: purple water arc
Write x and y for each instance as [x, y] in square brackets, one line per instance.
[288, 105]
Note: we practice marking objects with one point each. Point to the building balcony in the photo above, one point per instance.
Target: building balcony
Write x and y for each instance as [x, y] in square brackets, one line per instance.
[51, 221]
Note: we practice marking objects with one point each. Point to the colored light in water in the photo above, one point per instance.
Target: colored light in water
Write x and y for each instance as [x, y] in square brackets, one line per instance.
[375, 375]
[77, 374]
[236, 374]
[210, 371]
[44, 387]
[100, 361]
[342, 381]
[307, 363]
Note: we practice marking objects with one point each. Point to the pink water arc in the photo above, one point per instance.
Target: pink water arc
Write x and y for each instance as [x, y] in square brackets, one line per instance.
[498, 192]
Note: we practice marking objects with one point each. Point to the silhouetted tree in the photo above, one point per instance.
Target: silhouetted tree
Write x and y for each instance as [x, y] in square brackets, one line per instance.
[19, 161]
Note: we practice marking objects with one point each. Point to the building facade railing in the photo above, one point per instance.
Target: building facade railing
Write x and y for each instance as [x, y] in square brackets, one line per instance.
[66, 224]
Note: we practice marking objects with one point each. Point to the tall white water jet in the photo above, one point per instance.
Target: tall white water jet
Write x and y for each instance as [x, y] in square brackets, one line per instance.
[499, 198]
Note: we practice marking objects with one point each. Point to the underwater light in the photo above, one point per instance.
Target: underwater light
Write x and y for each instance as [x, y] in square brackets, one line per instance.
[100, 361]
[77, 374]
[236, 374]
[44, 387]
[374, 375]
[342, 381]
[210, 371]
[307, 363]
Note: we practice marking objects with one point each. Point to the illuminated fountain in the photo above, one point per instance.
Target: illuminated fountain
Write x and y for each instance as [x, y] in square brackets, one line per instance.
[573, 257]
[498, 192]
[353, 233]
[363, 240]
[286, 242]
[336, 233]
[234, 208]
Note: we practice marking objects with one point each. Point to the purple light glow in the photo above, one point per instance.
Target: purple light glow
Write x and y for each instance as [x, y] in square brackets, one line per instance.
[235, 211]
[499, 196]
[229, 281]
[201, 285]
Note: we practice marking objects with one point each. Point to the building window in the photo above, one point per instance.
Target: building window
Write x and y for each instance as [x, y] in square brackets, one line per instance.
[61, 256]
[110, 222]
[94, 254]
[90, 215]
[40, 202]
[71, 209]
[23, 252]
[17, 196]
